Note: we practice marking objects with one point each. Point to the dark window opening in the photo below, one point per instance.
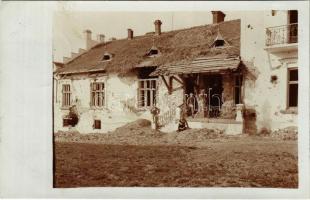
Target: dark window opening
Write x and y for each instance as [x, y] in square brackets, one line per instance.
[153, 52]
[293, 94]
[145, 72]
[293, 88]
[293, 16]
[97, 124]
[293, 26]
[293, 75]
[106, 57]
[219, 43]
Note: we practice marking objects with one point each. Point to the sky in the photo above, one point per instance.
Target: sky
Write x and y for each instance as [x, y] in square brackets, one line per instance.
[68, 27]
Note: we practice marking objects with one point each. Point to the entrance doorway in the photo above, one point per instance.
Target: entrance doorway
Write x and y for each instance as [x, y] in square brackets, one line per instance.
[214, 88]
[191, 89]
[206, 90]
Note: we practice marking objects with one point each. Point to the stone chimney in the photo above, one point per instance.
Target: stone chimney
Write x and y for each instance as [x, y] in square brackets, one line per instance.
[157, 24]
[218, 16]
[100, 37]
[88, 39]
[130, 34]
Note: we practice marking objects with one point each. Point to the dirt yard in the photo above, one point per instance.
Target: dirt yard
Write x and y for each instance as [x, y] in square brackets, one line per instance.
[134, 155]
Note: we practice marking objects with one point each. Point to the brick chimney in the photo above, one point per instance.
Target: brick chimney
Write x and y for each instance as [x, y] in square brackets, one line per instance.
[100, 37]
[130, 34]
[218, 16]
[88, 39]
[157, 24]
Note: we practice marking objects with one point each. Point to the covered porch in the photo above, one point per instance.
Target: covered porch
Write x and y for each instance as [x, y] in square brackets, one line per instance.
[212, 91]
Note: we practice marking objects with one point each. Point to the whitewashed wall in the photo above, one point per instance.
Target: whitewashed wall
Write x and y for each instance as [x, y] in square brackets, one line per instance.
[269, 100]
[113, 115]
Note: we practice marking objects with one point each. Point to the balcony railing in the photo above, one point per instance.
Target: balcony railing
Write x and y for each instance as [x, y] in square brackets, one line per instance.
[285, 34]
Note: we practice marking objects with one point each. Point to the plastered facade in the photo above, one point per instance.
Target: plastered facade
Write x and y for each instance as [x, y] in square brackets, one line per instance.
[113, 114]
[267, 98]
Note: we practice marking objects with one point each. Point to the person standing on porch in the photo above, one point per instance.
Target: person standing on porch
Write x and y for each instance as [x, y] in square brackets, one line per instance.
[191, 104]
[201, 103]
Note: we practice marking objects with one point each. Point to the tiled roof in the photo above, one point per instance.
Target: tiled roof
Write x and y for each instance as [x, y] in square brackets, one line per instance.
[175, 46]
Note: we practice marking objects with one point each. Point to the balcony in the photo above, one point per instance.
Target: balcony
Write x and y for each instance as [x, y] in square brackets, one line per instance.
[282, 38]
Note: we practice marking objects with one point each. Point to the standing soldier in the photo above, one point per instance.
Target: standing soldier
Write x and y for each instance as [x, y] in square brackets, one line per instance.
[155, 112]
[191, 104]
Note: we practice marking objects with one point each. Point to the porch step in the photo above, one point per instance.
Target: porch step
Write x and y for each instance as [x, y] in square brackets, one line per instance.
[228, 128]
[213, 120]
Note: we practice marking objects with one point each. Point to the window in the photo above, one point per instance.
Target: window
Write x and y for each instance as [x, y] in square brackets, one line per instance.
[293, 16]
[66, 95]
[153, 52]
[97, 124]
[106, 57]
[147, 93]
[292, 87]
[97, 94]
[219, 43]
[293, 26]
[237, 89]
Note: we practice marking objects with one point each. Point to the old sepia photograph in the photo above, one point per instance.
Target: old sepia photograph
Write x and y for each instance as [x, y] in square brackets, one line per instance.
[175, 99]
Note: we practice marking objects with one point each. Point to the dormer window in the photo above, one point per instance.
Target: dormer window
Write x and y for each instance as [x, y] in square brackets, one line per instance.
[153, 52]
[219, 41]
[106, 57]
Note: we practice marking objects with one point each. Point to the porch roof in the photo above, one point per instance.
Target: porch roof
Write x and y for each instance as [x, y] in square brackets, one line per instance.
[199, 65]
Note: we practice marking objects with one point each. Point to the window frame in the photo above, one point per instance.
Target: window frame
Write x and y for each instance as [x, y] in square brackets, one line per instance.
[288, 83]
[66, 100]
[153, 92]
[102, 89]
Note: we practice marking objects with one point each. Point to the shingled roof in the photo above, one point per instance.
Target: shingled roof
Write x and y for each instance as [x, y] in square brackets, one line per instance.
[200, 65]
[174, 46]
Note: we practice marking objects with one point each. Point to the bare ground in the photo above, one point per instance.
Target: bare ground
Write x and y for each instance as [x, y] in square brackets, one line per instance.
[194, 158]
